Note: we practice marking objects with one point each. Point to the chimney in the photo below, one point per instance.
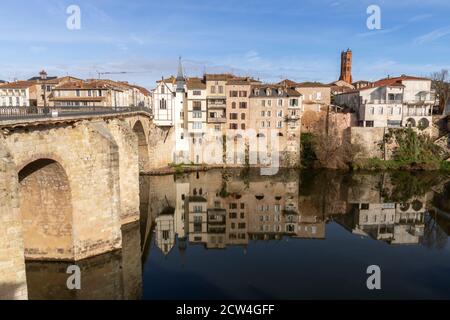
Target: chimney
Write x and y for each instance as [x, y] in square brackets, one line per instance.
[43, 75]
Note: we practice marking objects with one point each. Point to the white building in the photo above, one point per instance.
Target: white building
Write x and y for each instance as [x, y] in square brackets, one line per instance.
[169, 105]
[392, 102]
[16, 94]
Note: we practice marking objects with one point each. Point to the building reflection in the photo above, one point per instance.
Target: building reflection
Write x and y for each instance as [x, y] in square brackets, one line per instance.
[217, 209]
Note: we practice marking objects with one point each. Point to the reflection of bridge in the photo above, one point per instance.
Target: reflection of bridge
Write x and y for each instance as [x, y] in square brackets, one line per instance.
[69, 181]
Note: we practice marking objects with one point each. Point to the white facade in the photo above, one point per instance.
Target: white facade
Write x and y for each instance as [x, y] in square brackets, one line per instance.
[164, 103]
[392, 103]
[14, 97]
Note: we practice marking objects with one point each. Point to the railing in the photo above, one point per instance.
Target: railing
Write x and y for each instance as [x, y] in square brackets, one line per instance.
[378, 101]
[217, 120]
[15, 113]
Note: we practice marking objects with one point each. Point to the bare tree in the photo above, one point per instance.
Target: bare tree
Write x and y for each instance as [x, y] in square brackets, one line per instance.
[441, 85]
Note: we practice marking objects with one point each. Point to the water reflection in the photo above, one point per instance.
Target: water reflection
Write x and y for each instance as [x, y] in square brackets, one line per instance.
[349, 213]
[112, 276]
[218, 209]
[294, 235]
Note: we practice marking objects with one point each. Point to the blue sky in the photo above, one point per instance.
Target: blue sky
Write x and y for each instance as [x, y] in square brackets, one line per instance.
[270, 40]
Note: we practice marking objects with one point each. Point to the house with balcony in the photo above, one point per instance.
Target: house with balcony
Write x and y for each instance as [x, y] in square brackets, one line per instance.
[391, 102]
[216, 99]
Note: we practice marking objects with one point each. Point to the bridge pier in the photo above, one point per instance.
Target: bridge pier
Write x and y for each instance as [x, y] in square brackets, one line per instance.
[13, 283]
[127, 142]
[70, 191]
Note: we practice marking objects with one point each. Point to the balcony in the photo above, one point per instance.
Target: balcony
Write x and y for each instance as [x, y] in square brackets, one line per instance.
[379, 101]
[217, 120]
[292, 118]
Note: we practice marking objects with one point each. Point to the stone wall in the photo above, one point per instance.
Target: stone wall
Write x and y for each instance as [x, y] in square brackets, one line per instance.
[369, 139]
[161, 142]
[12, 265]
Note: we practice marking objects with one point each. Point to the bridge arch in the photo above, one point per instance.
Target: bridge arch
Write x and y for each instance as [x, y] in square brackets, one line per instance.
[46, 210]
[139, 130]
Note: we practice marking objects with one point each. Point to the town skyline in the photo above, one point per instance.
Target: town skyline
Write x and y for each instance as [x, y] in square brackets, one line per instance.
[240, 38]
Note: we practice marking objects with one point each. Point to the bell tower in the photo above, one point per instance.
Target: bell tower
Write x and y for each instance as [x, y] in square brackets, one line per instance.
[346, 66]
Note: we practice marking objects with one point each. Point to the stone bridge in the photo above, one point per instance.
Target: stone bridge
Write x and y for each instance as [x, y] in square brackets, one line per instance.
[68, 185]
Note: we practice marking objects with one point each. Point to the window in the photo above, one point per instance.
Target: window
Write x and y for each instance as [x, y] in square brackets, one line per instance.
[380, 111]
[279, 124]
[197, 93]
[197, 105]
[233, 215]
[242, 116]
[280, 102]
[268, 124]
[365, 206]
[263, 113]
[294, 102]
[242, 126]
[163, 90]
[269, 113]
[242, 215]
[233, 126]
[196, 125]
[263, 124]
[233, 94]
[162, 104]
[263, 103]
[241, 225]
[369, 124]
[220, 89]
[269, 103]
[372, 110]
[280, 114]
[233, 206]
[213, 89]
[243, 105]
[197, 114]
[233, 105]
[243, 94]
[78, 93]
[318, 95]
[233, 116]
[90, 93]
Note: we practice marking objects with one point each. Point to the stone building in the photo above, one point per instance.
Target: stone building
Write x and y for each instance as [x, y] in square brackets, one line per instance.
[238, 102]
[275, 116]
[93, 93]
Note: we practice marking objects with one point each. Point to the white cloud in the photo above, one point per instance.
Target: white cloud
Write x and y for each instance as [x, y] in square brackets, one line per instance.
[433, 35]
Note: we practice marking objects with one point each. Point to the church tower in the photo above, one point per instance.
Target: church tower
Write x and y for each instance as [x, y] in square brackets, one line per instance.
[346, 66]
[181, 142]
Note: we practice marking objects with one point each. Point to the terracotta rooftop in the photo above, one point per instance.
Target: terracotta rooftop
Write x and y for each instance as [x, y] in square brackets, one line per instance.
[218, 76]
[195, 83]
[17, 85]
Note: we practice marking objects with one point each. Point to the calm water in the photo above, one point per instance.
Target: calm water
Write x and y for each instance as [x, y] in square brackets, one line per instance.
[237, 235]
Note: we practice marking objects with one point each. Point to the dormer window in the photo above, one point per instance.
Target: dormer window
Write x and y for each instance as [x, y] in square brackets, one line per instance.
[268, 92]
[256, 92]
[280, 92]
